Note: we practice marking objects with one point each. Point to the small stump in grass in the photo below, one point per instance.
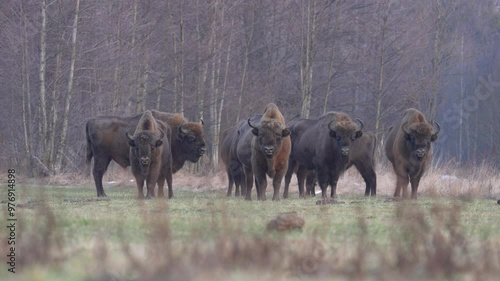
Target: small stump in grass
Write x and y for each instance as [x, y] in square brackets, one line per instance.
[498, 202]
[286, 222]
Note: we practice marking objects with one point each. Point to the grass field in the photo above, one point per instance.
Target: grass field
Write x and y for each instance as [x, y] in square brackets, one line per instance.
[65, 233]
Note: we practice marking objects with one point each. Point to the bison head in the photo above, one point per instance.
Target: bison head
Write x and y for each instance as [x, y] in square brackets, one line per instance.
[143, 147]
[192, 140]
[269, 136]
[344, 133]
[418, 138]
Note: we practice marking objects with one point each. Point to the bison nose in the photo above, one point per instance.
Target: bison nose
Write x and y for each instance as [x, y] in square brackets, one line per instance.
[202, 151]
[268, 150]
[420, 153]
[144, 161]
[345, 151]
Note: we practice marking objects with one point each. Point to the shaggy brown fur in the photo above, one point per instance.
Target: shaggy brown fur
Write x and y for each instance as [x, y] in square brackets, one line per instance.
[408, 147]
[271, 148]
[324, 145]
[188, 143]
[148, 144]
[106, 141]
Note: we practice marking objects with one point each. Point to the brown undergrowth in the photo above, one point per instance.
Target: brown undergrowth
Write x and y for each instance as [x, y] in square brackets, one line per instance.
[424, 244]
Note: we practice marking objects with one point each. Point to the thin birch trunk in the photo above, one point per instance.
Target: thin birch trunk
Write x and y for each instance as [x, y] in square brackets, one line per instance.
[67, 101]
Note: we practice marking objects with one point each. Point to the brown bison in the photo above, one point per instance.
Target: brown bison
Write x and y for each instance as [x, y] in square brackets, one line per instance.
[268, 145]
[229, 158]
[150, 154]
[408, 147]
[106, 141]
[361, 156]
[324, 145]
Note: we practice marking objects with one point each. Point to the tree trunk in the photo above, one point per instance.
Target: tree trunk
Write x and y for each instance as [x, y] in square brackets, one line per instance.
[306, 66]
[67, 101]
[249, 39]
[26, 94]
[41, 75]
[380, 81]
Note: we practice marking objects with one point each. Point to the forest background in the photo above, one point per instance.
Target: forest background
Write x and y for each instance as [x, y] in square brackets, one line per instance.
[62, 62]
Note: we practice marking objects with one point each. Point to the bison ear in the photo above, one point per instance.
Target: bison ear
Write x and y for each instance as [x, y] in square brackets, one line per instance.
[434, 137]
[358, 134]
[158, 143]
[407, 137]
[131, 143]
[255, 131]
[286, 132]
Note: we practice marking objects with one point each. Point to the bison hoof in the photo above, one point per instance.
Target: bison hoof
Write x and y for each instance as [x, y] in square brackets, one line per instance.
[498, 202]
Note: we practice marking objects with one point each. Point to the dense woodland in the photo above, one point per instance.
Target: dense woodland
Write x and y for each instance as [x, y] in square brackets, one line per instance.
[62, 62]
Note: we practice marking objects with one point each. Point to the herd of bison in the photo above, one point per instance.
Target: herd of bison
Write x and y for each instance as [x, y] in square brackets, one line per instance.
[157, 144]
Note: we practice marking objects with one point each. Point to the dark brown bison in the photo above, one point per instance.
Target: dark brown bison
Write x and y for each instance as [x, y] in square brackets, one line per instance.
[106, 141]
[228, 156]
[361, 156]
[323, 145]
[408, 147]
[150, 154]
[268, 145]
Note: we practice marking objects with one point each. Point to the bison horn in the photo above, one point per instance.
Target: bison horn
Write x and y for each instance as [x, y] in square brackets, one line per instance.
[128, 135]
[201, 121]
[250, 123]
[162, 134]
[362, 125]
[181, 130]
[438, 128]
[329, 125]
[436, 131]
[405, 130]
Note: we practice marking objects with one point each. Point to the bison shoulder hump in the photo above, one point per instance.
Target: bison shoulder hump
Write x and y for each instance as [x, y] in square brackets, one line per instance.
[272, 112]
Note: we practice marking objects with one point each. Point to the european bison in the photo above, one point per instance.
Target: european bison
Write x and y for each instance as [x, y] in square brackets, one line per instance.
[269, 146]
[150, 154]
[324, 145]
[229, 158]
[408, 147]
[106, 141]
[244, 152]
[362, 156]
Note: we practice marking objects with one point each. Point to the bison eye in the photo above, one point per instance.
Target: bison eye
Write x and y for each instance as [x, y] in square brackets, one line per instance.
[191, 138]
[338, 138]
[278, 138]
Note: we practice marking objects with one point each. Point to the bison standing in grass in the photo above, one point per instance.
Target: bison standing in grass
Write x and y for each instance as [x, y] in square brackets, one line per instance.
[229, 158]
[150, 154]
[263, 150]
[106, 141]
[408, 147]
[361, 156]
[324, 145]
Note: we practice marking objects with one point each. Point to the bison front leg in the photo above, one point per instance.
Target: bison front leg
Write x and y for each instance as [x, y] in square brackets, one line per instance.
[261, 185]
[301, 178]
[161, 184]
[323, 181]
[310, 183]
[414, 186]
[277, 184]
[140, 187]
[168, 177]
[288, 177]
[334, 177]
[248, 183]
[401, 184]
